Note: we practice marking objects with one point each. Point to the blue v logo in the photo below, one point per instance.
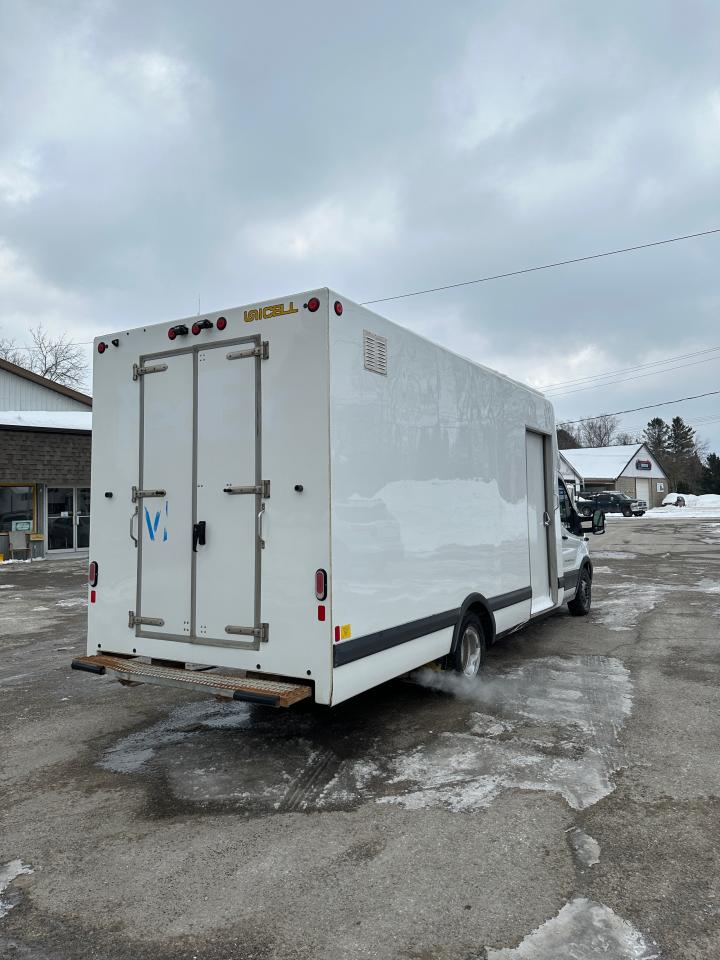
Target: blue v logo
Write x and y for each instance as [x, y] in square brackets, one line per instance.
[154, 523]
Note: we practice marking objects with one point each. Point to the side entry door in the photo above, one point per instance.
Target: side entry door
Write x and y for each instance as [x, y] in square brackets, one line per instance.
[538, 522]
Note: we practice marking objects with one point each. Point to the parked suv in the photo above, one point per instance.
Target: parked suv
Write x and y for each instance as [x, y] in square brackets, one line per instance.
[610, 501]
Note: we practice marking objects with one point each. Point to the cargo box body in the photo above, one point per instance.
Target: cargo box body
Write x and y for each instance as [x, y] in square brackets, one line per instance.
[231, 465]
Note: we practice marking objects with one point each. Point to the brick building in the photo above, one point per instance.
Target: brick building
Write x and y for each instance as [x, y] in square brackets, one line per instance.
[45, 431]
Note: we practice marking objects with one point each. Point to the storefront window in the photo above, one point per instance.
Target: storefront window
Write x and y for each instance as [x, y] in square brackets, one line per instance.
[17, 509]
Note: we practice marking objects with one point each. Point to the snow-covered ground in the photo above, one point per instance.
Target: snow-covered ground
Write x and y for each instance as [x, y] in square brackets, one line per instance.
[704, 507]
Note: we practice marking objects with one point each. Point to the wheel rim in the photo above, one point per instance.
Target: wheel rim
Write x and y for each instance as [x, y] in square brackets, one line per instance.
[585, 591]
[470, 652]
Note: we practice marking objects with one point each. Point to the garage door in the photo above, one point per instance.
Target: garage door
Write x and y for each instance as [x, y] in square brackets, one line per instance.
[642, 490]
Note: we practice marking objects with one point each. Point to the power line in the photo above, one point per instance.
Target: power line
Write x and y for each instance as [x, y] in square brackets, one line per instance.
[544, 266]
[549, 387]
[633, 377]
[663, 403]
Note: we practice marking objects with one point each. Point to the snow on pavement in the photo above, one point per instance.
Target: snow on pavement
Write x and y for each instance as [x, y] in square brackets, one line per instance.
[582, 930]
[8, 872]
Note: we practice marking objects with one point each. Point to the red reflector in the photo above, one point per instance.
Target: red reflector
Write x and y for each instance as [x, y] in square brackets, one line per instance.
[321, 613]
[196, 328]
[93, 573]
[92, 596]
[338, 308]
[102, 347]
[320, 584]
[221, 323]
[172, 333]
[313, 304]
[337, 634]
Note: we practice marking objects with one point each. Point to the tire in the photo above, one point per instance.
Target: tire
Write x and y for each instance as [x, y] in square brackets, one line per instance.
[468, 657]
[579, 606]
[627, 513]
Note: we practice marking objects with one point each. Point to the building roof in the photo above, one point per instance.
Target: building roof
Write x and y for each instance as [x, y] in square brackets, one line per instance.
[601, 463]
[68, 421]
[44, 382]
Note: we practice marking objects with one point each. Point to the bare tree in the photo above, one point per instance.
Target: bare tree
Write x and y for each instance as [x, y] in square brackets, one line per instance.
[599, 431]
[54, 357]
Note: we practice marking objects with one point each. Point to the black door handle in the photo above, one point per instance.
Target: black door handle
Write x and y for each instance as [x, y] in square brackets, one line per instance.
[198, 535]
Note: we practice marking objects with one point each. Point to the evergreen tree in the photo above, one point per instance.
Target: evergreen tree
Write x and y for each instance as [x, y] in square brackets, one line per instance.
[711, 474]
[681, 456]
[657, 436]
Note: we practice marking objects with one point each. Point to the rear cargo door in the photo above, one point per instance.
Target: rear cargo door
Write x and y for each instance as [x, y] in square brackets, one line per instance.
[200, 498]
[229, 501]
[163, 498]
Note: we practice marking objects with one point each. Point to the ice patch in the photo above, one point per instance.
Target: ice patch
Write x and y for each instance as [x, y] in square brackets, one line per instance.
[72, 602]
[597, 569]
[8, 586]
[558, 733]
[585, 847]
[8, 872]
[583, 930]
[612, 555]
[132, 753]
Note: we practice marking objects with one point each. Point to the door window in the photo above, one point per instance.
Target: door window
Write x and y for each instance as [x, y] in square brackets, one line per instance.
[17, 508]
[565, 506]
[60, 531]
[82, 520]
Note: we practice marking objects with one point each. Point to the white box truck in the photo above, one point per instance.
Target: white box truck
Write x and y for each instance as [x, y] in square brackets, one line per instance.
[310, 500]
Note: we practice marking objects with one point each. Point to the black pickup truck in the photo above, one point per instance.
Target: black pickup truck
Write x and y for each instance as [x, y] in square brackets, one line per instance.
[609, 501]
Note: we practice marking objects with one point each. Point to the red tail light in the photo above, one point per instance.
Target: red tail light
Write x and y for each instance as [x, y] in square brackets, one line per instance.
[313, 304]
[221, 323]
[201, 325]
[93, 573]
[320, 584]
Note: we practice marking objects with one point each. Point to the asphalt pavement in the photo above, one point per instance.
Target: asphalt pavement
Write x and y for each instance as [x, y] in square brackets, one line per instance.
[567, 805]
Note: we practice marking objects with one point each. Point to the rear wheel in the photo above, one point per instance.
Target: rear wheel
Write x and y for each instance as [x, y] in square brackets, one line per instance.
[579, 606]
[469, 654]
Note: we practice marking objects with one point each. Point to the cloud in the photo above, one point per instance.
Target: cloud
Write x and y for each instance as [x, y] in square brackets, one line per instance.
[235, 154]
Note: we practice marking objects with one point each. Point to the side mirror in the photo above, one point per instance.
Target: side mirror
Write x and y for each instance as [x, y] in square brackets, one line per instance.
[598, 522]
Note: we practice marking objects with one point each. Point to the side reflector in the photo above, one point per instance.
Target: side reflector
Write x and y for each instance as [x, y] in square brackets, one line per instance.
[337, 634]
[321, 613]
[93, 573]
[93, 596]
[320, 584]
[313, 304]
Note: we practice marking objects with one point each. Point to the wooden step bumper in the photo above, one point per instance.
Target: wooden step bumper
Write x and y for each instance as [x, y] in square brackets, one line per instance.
[275, 693]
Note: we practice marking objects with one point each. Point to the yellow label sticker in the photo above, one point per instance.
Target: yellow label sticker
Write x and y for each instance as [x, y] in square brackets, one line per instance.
[264, 313]
[345, 631]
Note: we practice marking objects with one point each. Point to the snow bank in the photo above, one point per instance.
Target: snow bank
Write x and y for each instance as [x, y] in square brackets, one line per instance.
[706, 506]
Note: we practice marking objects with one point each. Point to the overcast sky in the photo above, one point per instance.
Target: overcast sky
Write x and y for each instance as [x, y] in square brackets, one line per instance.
[155, 152]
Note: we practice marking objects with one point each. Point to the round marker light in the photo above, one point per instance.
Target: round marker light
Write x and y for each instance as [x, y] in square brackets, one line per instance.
[221, 323]
[196, 328]
[172, 333]
[102, 347]
[338, 308]
[313, 304]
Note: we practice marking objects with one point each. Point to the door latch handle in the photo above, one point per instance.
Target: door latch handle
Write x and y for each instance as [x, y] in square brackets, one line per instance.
[198, 535]
[546, 519]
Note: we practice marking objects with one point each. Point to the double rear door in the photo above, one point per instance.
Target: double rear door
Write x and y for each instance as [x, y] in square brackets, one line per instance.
[200, 495]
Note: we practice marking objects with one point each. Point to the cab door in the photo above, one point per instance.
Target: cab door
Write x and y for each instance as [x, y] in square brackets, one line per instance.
[571, 543]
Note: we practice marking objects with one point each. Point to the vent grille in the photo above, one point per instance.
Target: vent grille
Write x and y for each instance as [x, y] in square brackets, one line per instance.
[375, 353]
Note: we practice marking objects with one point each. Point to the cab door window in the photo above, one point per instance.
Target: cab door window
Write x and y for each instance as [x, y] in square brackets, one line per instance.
[565, 506]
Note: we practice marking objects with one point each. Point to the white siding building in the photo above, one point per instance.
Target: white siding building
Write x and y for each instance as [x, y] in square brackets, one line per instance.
[630, 468]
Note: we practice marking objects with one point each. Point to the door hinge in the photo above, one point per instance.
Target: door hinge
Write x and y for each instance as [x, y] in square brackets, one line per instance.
[139, 371]
[137, 494]
[134, 621]
[262, 351]
[262, 633]
[262, 488]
